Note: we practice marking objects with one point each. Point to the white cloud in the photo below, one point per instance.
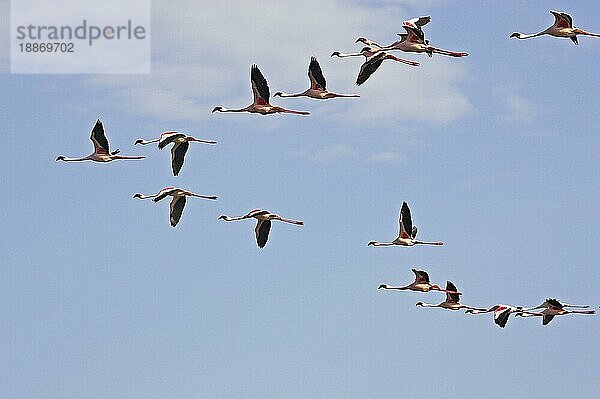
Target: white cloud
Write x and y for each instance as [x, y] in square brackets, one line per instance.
[518, 109]
[329, 153]
[387, 157]
[202, 53]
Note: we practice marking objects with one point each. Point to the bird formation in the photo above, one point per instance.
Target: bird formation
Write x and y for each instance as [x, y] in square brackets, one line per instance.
[412, 40]
[550, 307]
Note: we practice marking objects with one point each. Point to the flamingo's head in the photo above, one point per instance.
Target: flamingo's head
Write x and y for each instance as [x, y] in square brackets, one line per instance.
[382, 286]
[419, 304]
[278, 94]
[371, 243]
[224, 217]
[137, 195]
[60, 158]
[516, 34]
[138, 141]
[361, 40]
[217, 109]
[335, 54]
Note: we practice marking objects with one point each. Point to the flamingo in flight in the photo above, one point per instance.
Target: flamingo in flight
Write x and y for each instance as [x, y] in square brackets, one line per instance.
[181, 143]
[318, 85]
[421, 284]
[102, 151]
[501, 313]
[562, 27]
[177, 203]
[369, 67]
[552, 308]
[263, 224]
[407, 232]
[413, 41]
[260, 90]
[452, 301]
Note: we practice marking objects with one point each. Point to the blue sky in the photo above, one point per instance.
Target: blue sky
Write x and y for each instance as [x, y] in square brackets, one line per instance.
[497, 154]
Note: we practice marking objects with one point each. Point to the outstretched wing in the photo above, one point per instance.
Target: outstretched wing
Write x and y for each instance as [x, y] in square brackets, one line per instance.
[165, 192]
[167, 138]
[178, 156]
[315, 74]
[415, 34]
[453, 298]
[405, 221]
[421, 276]
[177, 205]
[419, 21]
[99, 139]
[562, 20]
[260, 87]
[501, 316]
[547, 319]
[369, 67]
[262, 232]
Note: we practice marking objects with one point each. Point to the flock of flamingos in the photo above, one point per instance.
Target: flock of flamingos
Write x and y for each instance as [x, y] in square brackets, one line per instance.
[413, 40]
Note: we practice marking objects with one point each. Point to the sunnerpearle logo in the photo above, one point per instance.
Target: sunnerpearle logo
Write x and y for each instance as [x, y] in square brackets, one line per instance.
[75, 36]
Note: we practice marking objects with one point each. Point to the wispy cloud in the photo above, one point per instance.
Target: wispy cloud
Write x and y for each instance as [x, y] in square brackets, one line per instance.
[329, 153]
[387, 157]
[518, 110]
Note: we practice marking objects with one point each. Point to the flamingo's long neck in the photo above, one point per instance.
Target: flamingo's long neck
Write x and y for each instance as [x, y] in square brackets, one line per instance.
[89, 157]
[232, 219]
[145, 142]
[282, 94]
[391, 287]
[380, 244]
[343, 55]
[235, 110]
[144, 196]
[530, 35]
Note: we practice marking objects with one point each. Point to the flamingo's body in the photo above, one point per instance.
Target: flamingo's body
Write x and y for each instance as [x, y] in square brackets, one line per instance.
[261, 105]
[177, 203]
[102, 151]
[407, 232]
[551, 307]
[263, 225]
[318, 85]
[181, 143]
[421, 284]
[413, 41]
[562, 27]
[372, 64]
[501, 313]
[452, 301]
